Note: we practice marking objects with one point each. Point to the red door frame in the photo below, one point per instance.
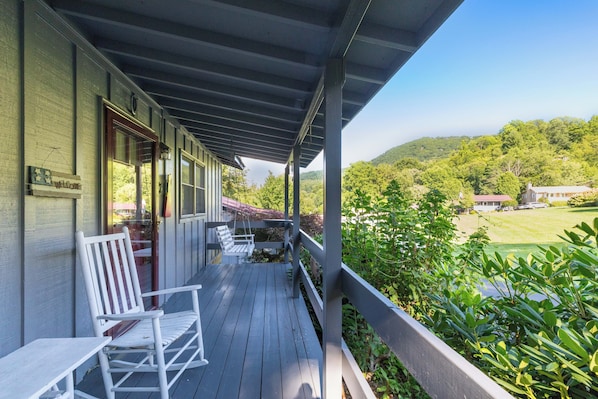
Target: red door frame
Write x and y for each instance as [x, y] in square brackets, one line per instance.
[114, 119]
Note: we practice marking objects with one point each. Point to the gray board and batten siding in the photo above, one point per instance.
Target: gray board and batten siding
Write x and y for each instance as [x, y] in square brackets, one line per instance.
[53, 87]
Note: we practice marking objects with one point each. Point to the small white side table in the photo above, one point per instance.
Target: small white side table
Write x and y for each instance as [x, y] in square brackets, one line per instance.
[35, 368]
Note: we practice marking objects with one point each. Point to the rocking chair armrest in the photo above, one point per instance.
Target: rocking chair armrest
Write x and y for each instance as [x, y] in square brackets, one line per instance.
[174, 290]
[150, 314]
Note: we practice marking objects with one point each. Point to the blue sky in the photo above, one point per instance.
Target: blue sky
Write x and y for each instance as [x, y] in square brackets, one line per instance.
[491, 62]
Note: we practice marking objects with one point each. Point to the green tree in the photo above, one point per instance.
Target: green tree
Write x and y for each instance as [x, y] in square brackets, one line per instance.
[558, 134]
[234, 182]
[573, 173]
[367, 178]
[123, 179]
[441, 177]
[508, 184]
[271, 194]
[235, 186]
[587, 148]
[409, 163]
[592, 126]
[312, 197]
[126, 194]
[475, 174]
[510, 135]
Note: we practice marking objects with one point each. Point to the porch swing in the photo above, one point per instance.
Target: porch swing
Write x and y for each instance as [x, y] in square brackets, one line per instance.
[238, 246]
[245, 219]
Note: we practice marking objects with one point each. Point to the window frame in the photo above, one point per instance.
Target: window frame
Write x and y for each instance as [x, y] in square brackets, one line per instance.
[194, 184]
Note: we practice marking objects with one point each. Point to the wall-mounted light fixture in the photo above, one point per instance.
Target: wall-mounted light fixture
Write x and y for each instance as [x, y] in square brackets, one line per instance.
[133, 104]
[165, 153]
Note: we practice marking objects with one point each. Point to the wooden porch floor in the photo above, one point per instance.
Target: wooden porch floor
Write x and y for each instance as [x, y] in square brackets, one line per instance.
[259, 341]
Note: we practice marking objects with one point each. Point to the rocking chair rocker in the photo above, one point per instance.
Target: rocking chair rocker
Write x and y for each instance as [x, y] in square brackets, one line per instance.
[150, 345]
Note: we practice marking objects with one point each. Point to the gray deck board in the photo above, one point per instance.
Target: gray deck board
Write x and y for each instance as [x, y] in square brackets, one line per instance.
[259, 341]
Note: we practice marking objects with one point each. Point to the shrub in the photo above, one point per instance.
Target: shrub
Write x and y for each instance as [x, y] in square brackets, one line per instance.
[510, 203]
[589, 198]
[394, 243]
[538, 335]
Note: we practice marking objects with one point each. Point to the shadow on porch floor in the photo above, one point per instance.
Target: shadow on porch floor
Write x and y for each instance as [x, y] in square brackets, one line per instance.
[259, 341]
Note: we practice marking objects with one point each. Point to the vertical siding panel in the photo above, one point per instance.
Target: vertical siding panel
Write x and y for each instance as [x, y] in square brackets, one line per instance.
[11, 184]
[212, 193]
[185, 254]
[144, 111]
[49, 126]
[120, 95]
[191, 249]
[200, 247]
[61, 84]
[91, 87]
[193, 243]
[179, 232]
[157, 123]
[196, 225]
[168, 257]
[217, 190]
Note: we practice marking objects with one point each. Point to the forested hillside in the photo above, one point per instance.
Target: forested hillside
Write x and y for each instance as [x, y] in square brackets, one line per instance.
[562, 151]
[424, 149]
[315, 175]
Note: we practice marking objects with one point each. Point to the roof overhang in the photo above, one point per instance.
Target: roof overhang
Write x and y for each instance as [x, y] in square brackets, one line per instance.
[246, 77]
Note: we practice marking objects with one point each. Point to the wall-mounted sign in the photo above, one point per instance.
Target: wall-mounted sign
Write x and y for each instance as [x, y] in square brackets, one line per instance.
[48, 183]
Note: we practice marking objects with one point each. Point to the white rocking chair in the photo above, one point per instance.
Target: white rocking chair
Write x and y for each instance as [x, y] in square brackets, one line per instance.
[115, 297]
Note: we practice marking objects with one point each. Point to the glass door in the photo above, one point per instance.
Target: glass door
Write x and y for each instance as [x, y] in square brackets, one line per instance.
[130, 196]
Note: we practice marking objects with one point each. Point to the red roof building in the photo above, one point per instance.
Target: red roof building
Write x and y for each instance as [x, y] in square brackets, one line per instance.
[488, 203]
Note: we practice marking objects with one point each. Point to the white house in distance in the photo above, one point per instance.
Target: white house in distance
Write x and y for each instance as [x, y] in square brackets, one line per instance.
[488, 203]
[551, 193]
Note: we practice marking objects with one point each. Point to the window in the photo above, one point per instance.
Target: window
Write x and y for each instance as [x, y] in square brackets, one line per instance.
[193, 187]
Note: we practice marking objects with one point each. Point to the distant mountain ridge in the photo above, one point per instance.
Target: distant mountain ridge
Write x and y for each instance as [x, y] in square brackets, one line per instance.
[424, 149]
[313, 175]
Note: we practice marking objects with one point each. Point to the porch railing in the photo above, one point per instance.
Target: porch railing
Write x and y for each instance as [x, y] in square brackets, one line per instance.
[440, 370]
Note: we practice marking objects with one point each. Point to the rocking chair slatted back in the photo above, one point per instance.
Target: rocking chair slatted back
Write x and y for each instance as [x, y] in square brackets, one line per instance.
[147, 344]
[111, 275]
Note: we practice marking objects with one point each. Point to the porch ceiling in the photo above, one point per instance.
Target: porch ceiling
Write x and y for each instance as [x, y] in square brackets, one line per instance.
[245, 77]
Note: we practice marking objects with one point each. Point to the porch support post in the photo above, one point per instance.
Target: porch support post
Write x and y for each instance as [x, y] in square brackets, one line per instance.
[286, 212]
[332, 290]
[296, 217]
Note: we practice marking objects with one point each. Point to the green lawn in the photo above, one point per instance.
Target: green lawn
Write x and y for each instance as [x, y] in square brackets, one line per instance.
[520, 232]
[516, 250]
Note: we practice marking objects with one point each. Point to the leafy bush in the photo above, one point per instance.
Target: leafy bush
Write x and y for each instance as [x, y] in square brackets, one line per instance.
[384, 371]
[589, 198]
[537, 335]
[510, 203]
[393, 243]
[530, 323]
